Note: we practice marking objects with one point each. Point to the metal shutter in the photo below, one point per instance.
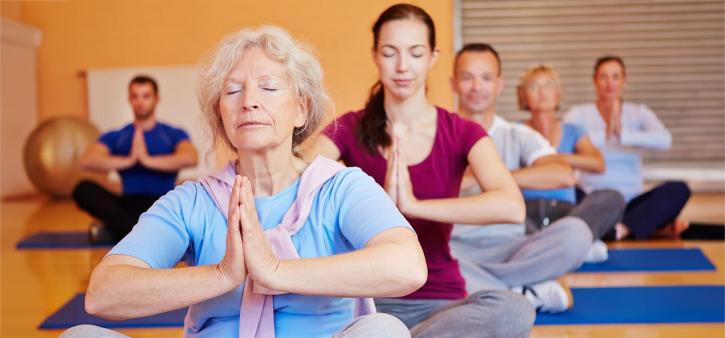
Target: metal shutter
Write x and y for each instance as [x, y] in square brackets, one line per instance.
[673, 51]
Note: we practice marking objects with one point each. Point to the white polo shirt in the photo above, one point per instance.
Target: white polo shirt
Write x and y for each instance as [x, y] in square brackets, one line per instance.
[519, 146]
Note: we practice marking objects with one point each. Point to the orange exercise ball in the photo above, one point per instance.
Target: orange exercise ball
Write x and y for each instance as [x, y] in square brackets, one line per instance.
[52, 152]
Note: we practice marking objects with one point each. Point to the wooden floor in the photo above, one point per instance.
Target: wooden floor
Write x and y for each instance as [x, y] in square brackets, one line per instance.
[35, 283]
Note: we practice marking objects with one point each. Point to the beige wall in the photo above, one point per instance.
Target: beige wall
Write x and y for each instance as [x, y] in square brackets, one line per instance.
[11, 10]
[18, 103]
[84, 34]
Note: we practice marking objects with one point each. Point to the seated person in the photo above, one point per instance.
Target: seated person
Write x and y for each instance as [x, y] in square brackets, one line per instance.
[419, 152]
[539, 92]
[621, 130]
[502, 256]
[278, 247]
[147, 154]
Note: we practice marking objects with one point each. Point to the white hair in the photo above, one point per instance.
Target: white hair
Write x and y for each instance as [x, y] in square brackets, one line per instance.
[302, 67]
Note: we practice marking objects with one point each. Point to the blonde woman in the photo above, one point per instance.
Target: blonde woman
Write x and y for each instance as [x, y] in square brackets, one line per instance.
[539, 92]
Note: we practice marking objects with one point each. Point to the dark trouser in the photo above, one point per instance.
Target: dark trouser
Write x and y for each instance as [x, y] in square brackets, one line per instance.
[601, 210]
[655, 209]
[118, 213]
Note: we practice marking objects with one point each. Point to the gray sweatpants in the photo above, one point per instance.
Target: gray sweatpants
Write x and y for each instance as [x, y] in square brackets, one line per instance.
[502, 261]
[484, 314]
[540, 213]
[373, 325]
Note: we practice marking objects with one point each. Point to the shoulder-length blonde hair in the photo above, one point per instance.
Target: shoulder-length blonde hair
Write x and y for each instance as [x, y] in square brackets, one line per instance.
[302, 67]
[528, 76]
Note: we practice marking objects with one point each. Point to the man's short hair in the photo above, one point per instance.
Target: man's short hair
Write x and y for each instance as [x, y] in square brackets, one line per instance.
[478, 47]
[144, 79]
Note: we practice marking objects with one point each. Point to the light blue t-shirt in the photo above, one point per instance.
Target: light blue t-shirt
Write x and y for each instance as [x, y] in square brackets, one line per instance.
[349, 210]
[570, 135]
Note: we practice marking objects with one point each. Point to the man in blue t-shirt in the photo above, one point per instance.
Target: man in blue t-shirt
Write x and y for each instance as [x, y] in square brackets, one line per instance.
[148, 156]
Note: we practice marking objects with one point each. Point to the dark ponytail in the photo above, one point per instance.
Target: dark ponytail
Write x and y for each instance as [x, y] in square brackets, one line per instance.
[372, 132]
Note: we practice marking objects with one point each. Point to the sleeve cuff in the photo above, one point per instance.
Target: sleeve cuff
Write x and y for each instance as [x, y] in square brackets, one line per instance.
[539, 154]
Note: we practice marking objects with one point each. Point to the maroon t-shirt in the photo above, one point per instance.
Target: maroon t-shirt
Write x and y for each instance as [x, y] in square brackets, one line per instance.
[437, 176]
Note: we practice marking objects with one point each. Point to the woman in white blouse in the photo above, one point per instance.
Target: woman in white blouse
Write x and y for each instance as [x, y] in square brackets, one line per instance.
[621, 130]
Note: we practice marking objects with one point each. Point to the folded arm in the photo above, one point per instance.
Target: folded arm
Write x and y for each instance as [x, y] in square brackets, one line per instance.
[99, 157]
[651, 134]
[586, 157]
[123, 287]
[500, 200]
[184, 155]
[548, 172]
[391, 265]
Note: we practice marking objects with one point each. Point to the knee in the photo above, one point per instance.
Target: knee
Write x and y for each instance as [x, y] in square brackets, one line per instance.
[83, 188]
[611, 200]
[609, 197]
[515, 313]
[524, 314]
[520, 314]
[82, 331]
[377, 325]
[679, 190]
[574, 230]
[575, 236]
[78, 331]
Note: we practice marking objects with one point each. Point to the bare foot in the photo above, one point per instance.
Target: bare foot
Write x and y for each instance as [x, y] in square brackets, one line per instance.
[673, 230]
[680, 225]
[621, 231]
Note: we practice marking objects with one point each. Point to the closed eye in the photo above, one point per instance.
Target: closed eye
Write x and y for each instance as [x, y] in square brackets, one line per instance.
[417, 51]
[387, 51]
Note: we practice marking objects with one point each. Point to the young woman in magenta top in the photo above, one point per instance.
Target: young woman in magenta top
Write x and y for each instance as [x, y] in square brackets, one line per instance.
[420, 164]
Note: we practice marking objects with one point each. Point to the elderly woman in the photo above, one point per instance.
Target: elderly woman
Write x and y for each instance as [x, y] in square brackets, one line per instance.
[312, 235]
[539, 91]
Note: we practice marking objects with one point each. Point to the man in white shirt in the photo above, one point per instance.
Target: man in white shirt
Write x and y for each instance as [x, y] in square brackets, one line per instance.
[501, 255]
[621, 130]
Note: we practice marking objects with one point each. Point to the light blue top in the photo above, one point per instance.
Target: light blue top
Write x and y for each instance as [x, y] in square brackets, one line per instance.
[349, 210]
[570, 135]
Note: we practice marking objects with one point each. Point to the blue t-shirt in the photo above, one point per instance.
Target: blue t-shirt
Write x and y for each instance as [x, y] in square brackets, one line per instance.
[570, 135]
[349, 210]
[162, 139]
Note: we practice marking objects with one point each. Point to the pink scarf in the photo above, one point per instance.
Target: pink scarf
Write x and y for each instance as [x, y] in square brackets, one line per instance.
[256, 316]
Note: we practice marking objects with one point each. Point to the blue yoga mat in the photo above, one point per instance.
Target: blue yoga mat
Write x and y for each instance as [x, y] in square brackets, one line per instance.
[74, 313]
[670, 259]
[612, 305]
[59, 240]
[647, 304]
